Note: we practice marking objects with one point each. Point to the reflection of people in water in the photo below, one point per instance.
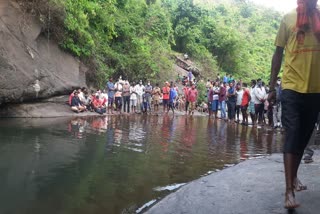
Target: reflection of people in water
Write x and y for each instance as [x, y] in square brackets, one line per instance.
[189, 134]
[110, 133]
[77, 127]
[99, 124]
[243, 143]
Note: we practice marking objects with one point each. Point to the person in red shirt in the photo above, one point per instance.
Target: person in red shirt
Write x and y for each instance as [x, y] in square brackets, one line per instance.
[97, 106]
[165, 96]
[192, 98]
[70, 97]
[245, 103]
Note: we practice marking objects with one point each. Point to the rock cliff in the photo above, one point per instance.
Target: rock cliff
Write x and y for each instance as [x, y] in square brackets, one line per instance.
[32, 66]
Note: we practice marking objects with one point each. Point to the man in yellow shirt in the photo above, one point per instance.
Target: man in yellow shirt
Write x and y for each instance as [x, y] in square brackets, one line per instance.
[299, 36]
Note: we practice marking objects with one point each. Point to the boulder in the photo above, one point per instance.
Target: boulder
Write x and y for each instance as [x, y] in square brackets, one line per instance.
[32, 66]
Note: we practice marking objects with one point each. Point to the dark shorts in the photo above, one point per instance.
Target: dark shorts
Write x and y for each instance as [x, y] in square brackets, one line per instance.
[244, 108]
[165, 102]
[171, 104]
[118, 101]
[299, 115]
[110, 101]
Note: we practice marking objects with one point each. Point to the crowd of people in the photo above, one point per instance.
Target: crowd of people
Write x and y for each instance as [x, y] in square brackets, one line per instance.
[236, 101]
[121, 97]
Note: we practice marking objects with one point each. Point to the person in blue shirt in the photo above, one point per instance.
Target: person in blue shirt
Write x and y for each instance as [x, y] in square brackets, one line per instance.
[225, 79]
[111, 90]
[172, 96]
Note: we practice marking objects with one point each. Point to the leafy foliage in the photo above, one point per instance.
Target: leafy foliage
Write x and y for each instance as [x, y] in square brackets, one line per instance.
[201, 87]
[137, 38]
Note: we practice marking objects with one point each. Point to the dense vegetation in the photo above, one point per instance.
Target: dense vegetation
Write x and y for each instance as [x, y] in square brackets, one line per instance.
[137, 38]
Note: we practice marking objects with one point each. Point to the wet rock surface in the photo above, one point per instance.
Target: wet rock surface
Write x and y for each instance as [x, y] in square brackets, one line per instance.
[31, 64]
[55, 107]
[253, 186]
[52, 107]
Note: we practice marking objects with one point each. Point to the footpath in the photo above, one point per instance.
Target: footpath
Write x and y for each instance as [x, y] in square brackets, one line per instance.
[252, 187]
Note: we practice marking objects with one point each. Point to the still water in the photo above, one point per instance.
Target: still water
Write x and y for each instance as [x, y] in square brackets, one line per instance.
[114, 164]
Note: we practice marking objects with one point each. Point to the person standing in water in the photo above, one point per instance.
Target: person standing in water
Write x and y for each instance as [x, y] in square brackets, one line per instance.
[172, 97]
[111, 91]
[192, 98]
[299, 36]
[156, 97]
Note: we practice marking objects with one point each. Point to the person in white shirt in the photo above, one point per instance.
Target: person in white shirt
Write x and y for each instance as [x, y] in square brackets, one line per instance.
[215, 99]
[133, 97]
[139, 91]
[260, 95]
[81, 94]
[239, 93]
[104, 97]
[252, 110]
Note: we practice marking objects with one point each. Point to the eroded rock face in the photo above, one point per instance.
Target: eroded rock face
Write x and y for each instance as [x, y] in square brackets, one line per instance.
[31, 65]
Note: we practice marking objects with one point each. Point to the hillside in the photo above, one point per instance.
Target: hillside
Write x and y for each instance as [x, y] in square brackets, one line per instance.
[138, 38]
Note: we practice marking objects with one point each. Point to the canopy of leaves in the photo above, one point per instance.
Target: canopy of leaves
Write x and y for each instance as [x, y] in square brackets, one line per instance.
[137, 38]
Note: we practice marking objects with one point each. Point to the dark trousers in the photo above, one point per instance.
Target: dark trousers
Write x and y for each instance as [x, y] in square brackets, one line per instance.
[238, 109]
[126, 103]
[299, 115]
[231, 109]
[118, 101]
[259, 109]
[187, 105]
[100, 110]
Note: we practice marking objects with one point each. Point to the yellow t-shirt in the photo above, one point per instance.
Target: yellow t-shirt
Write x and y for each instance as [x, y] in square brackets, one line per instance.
[302, 57]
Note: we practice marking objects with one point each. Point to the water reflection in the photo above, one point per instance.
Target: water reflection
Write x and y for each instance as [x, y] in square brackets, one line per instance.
[112, 164]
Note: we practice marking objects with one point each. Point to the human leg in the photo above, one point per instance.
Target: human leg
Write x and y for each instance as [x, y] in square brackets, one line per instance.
[238, 112]
[233, 111]
[279, 115]
[299, 115]
[244, 115]
[215, 108]
[110, 104]
[223, 109]
[275, 115]
[229, 110]
[149, 103]
[252, 112]
[75, 109]
[261, 113]
[125, 104]
[139, 102]
[187, 106]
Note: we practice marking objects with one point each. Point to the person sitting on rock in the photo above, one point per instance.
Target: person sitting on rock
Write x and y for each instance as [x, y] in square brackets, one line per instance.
[70, 97]
[76, 104]
[87, 101]
[97, 105]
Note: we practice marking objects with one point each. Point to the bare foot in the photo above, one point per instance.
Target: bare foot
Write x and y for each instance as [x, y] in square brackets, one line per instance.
[298, 186]
[290, 201]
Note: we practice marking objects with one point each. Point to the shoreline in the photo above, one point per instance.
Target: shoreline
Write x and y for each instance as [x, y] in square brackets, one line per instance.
[57, 108]
[252, 186]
